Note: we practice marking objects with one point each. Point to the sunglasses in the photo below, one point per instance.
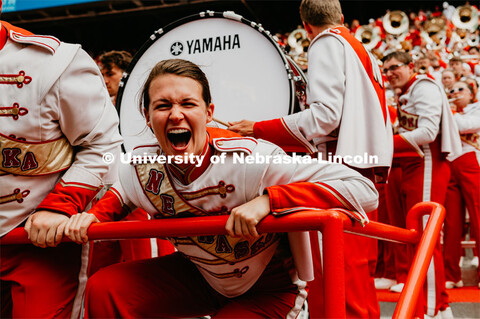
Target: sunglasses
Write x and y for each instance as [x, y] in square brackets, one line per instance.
[455, 90]
[393, 67]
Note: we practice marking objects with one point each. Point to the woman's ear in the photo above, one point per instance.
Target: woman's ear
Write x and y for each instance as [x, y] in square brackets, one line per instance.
[210, 110]
[147, 117]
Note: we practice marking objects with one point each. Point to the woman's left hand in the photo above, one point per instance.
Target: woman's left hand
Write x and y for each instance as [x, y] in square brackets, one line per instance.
[244, 218]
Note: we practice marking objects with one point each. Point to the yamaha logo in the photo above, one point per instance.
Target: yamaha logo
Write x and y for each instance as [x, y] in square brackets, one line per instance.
[212, 44]
[176, 48]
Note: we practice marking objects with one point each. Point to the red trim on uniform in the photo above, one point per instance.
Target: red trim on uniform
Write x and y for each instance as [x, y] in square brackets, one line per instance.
[303, 194]
[3, 36]
[277, 133]
[392, 110]
[412, 79]
[215, 132]
[13, 28]
[188, 174]
[110, 207]
[471, 63]
[68, 199]
[367, 64]
[401, 148]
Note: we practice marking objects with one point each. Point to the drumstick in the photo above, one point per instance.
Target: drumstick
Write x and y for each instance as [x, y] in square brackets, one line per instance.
[454, 99]
[221, 122]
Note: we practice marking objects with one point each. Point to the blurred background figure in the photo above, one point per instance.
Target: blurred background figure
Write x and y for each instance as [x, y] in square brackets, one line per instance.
[113, 64]
[448, 80]
[464, 187]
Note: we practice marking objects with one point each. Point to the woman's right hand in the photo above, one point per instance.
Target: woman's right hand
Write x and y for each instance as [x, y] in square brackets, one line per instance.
[77, 226]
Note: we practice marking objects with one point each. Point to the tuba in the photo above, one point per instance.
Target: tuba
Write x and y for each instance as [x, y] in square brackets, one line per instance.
[396, 22]
[434, 33]
[396, 25]
[368, 36]
[298, 42]
[466, 18]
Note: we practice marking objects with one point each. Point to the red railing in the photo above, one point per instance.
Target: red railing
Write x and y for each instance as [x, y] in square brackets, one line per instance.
[331, 223]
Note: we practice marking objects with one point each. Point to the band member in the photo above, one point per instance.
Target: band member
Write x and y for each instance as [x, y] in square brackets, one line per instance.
[112, 65]
[347, 117]
[56, 122]
[243, 274]
[464, 188]
[426, 136]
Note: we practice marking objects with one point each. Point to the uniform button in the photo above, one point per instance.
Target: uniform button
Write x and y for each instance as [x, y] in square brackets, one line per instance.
[219, 143]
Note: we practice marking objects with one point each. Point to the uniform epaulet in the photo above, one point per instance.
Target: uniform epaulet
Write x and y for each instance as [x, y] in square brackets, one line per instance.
[47, 42]
[235, 144]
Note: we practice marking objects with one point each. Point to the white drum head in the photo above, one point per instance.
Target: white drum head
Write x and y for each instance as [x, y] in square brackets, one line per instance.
[247, 72]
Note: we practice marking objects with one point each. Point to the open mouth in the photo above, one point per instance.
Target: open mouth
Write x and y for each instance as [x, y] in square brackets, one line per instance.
[179, 138]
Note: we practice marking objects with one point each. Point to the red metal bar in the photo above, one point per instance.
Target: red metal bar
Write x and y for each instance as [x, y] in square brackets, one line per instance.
[331, 223]
[407, 303]
[301, 221]
[384, 232]
[333, 267]
[304, 221]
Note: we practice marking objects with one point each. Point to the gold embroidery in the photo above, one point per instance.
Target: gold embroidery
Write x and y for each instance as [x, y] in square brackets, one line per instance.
[31, 158]
[157, 187]
[207, 261]
[159, 190]
[236, 273]
[221, 190]
[13, 111]
[18, 79]
[15, 196]
[407, 120]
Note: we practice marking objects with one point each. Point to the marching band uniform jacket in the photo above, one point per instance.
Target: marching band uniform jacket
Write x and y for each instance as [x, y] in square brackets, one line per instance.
[422, 117]
[53, 134]
[56, 122]
[218, 188]
[358, 122]
[468, 123]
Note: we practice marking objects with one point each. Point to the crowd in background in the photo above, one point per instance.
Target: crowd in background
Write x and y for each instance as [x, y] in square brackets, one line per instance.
[444, 44]
[429, 61]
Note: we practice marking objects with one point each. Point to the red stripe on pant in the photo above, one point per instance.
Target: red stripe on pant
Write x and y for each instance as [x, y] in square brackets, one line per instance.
[425, 179]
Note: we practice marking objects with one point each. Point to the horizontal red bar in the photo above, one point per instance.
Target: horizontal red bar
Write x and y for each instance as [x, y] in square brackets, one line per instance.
[300, 221]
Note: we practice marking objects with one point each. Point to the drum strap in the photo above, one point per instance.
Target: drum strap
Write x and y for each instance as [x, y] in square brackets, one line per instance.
[34, 158]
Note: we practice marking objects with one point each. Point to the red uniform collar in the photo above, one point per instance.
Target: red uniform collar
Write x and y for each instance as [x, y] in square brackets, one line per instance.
[407, 86]
[412, 79]
[5, 30]
[190, 173]
[3, 36]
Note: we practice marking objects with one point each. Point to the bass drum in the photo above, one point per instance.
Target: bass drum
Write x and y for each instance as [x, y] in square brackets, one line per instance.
[249, 75]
